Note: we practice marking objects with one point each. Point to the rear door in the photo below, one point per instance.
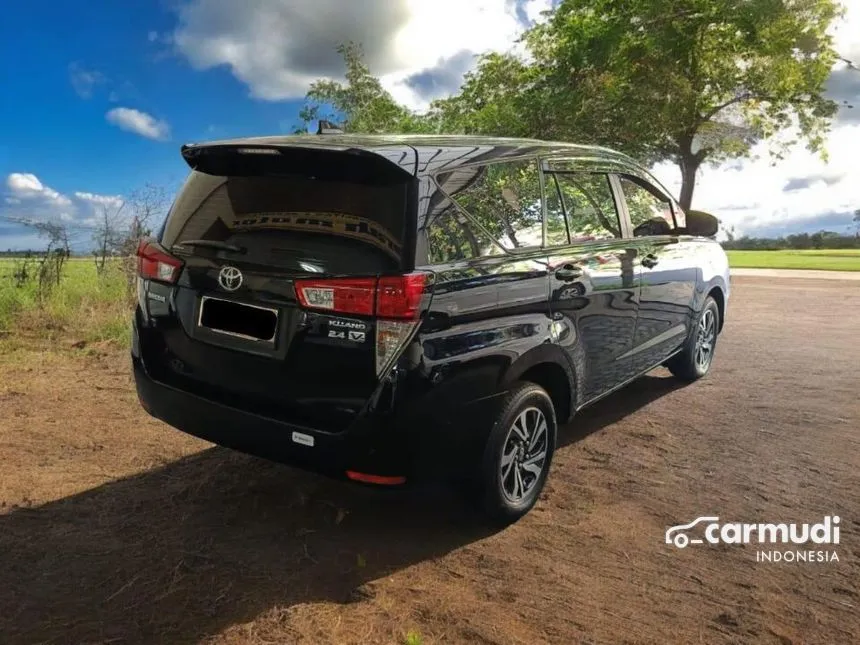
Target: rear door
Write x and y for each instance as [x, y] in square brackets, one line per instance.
[593, 277]
[275, 306]
[482, 234]
[668, 272]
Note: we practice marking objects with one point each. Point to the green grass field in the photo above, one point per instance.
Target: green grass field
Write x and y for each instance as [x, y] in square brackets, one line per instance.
[92, 307]
[85, 305]
[822, 259]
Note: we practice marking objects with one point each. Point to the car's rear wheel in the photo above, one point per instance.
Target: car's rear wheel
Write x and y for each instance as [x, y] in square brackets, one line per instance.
[695, 359]
[518, 454]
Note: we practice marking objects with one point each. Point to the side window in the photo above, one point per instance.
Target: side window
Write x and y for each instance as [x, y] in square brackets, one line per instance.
[557, 233]
[451, 236]
[504, 197]
[650, 213]
[580, 207]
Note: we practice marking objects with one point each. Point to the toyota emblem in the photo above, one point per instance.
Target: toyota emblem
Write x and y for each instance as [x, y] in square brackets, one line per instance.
[230, 278]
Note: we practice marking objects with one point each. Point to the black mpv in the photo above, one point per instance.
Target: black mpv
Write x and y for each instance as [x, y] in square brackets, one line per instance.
[392, 309]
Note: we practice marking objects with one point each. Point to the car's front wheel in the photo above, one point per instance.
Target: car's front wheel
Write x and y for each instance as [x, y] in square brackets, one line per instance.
[695, 359]
[518, 454]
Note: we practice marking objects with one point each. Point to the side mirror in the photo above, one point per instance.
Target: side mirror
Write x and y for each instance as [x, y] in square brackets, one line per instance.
[702, 224]
[656, 226]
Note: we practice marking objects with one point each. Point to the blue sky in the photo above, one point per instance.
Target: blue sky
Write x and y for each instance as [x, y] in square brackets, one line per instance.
[99, 95]
[94, 56]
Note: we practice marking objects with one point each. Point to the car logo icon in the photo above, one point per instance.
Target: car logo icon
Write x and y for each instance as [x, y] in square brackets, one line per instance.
[675, 534]
[230, 278]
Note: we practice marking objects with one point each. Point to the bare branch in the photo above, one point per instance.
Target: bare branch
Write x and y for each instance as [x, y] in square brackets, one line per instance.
[740, 98]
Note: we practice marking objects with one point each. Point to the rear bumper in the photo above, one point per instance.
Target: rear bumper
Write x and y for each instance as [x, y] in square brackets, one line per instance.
[419, 448]
[378, 452]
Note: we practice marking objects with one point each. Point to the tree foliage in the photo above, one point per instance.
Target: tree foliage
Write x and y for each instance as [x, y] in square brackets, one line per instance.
[691, 81]
[360, 104]
[688, 81]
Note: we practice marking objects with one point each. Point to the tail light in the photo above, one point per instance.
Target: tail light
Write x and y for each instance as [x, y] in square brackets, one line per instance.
[397, 297]
[154, 263]
[394, 300]
[343, 296]
[400, 296]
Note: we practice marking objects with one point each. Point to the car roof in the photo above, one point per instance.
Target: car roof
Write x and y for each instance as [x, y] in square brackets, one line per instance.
[434, 152]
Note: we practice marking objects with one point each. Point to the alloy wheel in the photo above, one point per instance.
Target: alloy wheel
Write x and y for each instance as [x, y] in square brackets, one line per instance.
[524, 454]
[705, 336]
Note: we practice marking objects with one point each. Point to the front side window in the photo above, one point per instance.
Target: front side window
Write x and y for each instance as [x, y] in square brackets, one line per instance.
[650, 212]
[580, 208]
[503, 197]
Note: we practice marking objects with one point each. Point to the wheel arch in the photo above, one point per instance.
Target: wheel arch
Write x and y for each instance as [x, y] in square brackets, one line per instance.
[719, 297]
[547, 366]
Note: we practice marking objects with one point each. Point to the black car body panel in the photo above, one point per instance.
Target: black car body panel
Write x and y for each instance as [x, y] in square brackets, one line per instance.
[560, 288]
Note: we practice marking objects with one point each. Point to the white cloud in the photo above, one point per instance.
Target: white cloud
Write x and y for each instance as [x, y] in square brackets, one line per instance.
[758, 195]
[141, 123]
[84, 81]
[152, 36]
[278, 47]
[111, 201]
[846, 33]
[24, 183]
[26, 186]
[27, 197]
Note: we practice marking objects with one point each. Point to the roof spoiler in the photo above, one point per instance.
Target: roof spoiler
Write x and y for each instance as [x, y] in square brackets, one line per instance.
[336, 163]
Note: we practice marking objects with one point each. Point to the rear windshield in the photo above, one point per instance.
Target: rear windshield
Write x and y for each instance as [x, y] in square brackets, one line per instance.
[299, 223]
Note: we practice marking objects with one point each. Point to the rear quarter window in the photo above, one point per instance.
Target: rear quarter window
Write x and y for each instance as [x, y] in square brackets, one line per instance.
[504, 197]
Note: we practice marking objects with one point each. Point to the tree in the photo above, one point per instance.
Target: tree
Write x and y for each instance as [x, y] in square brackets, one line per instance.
[361, 104]
[857, 221]
[49, 267]
[498, 98]
[691, 81]
[110, 233]
[146, 205]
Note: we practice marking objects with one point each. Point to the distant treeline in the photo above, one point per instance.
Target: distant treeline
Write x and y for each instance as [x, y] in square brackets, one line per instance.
[9, 253]
[819, 240]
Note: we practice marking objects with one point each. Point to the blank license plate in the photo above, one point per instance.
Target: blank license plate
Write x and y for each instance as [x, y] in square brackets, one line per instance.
[250, 322]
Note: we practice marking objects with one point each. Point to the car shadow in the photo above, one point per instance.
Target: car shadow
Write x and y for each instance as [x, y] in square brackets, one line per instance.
[183, 551]
[616, 406]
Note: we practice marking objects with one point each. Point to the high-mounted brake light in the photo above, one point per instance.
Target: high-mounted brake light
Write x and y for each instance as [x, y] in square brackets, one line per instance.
[154, 263]
[258, 151]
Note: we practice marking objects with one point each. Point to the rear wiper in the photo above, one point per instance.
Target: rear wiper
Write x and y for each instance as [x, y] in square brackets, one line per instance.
[212, 244]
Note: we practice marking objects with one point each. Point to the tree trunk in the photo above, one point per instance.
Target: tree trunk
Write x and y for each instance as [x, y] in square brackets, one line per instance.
[689, 167]
[509, 231]
[473, 241]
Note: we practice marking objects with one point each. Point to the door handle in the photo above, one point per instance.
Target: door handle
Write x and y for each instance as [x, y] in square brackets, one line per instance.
[649, 261]
[568, 273]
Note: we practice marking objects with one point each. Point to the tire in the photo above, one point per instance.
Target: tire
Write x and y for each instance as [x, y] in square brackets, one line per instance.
[507, 491]
[695, 359]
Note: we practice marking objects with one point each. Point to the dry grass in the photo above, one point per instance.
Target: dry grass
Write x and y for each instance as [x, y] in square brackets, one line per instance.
[117, 529]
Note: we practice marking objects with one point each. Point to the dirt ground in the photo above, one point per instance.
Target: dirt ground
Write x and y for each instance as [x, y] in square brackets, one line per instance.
[116, 529]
